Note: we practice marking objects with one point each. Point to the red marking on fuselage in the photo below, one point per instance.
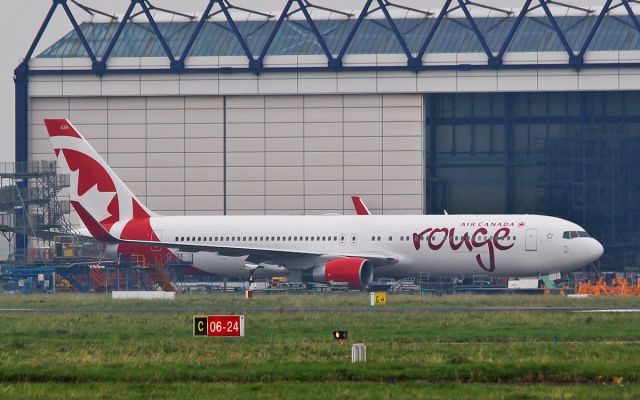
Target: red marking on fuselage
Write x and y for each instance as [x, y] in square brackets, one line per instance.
[471, 242]
[139, 228]
[60, 127]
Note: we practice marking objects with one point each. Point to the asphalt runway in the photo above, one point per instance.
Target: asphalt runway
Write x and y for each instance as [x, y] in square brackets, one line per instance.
[320, 310]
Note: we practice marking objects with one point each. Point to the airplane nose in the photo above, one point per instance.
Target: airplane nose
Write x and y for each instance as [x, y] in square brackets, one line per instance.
[596, 250]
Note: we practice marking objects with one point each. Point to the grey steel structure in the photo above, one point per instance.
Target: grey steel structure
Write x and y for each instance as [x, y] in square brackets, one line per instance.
[468, 108]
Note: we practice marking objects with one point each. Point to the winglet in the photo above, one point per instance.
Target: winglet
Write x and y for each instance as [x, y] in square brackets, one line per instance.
[358, 204]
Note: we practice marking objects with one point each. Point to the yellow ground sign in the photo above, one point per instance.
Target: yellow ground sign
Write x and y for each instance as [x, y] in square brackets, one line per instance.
[378, 298]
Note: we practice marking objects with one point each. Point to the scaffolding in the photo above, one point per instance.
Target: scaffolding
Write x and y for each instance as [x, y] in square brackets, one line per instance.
[32, 213]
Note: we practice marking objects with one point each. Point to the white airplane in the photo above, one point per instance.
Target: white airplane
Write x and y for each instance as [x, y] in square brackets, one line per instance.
[321, 249]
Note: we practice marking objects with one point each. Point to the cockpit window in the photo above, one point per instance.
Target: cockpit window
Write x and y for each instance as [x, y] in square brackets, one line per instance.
[574, 234]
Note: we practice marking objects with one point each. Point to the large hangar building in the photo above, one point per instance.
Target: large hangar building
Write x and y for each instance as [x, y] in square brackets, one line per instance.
[531, 107]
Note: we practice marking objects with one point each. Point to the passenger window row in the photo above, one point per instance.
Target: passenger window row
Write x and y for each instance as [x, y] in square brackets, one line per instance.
[256, 238]
[201, 239]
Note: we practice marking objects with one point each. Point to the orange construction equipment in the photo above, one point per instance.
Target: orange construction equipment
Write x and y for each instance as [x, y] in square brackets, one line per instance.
[156, 270]
[618, 287]
[158, 273]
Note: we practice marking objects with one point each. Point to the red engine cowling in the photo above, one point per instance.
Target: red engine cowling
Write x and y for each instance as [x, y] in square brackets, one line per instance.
[357, 272]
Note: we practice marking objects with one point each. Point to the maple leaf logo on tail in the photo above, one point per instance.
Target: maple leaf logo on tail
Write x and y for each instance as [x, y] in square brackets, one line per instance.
[94, 185]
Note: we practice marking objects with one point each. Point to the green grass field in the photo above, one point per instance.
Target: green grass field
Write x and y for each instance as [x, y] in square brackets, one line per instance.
[85, 351]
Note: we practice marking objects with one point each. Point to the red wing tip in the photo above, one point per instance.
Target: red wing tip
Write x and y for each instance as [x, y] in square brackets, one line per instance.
[358, 204]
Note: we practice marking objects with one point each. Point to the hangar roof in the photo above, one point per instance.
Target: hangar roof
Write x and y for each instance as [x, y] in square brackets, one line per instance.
[374, 36]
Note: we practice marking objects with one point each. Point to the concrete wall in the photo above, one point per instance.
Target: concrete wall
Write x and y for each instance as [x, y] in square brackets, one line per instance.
[285, 154]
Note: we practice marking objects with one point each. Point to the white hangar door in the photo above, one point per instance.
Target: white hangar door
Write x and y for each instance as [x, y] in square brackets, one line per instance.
[253, 154]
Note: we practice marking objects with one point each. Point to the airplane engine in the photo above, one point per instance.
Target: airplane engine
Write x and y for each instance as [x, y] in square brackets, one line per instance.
[357, 272]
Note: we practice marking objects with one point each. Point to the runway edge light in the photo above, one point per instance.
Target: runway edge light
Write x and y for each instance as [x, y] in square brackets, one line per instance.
[340, 336]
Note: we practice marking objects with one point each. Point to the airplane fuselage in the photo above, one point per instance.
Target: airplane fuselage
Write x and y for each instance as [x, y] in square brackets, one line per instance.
[513, 245]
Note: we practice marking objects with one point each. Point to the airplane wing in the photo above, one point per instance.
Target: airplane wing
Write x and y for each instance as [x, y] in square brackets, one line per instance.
[254, 254]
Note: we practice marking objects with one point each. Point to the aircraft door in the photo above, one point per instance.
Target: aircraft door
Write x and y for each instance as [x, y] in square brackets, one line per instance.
[531, 240]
